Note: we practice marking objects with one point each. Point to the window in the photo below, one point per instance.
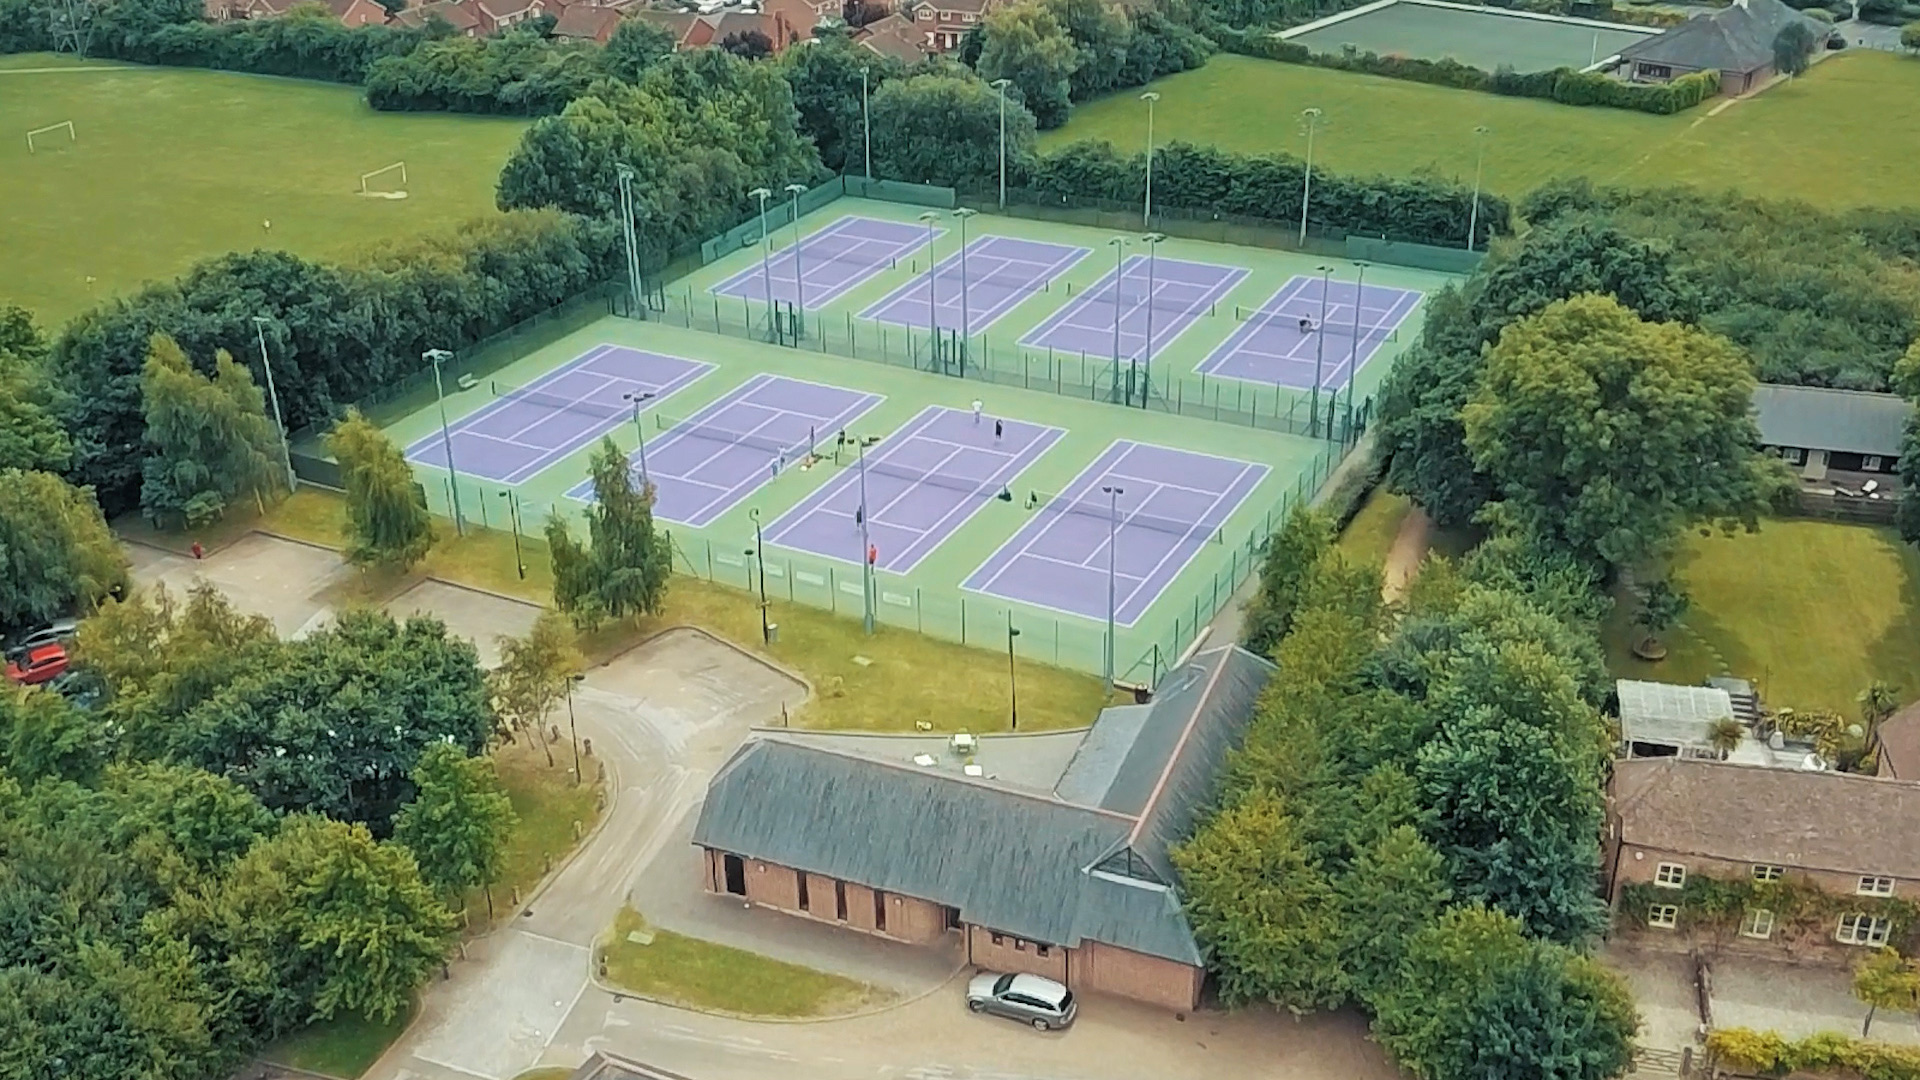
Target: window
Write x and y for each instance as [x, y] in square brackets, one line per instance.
[1670, 875]
[1656, 71]
[1870, 463]
[1042, 951]
[1793, 455]
[1859, 929]
[1663, 916]
[1757, 924]
[1019, 944]
[801, 877]
[840, 900]
[879, 910]
[1763, 872]
[953, 918]
[997, 939]
[1875, 886]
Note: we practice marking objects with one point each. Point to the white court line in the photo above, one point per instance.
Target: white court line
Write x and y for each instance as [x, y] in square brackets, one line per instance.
[1162, 483]
[753, 480]
[1118, 573]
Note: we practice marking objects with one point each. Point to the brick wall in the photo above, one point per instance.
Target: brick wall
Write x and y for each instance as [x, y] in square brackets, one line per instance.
[1113, 970]
[1639, 864]
[996, 951]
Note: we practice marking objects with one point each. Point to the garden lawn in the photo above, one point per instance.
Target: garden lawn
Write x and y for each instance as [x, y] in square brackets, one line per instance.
[548, 804]
[345, 1046]
[1369, 536]
[1842, 135]
[173, 165]
[703, 975]
[1810, 611]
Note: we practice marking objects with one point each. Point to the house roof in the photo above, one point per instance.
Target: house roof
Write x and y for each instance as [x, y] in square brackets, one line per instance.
[894, 35]
[1735, 38]
[457, 14]
[677, 23]
[1900, 744]
[586, 22]
[1814, 820]
[1669, 713]
[1817, 418]
[605, 1066]
[1087, 860]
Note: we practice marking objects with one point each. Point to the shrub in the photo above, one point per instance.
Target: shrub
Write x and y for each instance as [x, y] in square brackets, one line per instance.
[1769, 1054]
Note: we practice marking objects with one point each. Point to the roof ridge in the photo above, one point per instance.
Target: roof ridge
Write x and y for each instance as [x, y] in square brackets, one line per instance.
[914, 770]
[1186, 732]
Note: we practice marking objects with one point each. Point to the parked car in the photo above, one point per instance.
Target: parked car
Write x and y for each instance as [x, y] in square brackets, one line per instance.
[38, 665]
[1045, 1004]
[59, 631]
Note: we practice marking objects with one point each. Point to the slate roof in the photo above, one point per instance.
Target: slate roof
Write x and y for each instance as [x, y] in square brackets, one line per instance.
[1086, 861]
[1735, 38]
[605, 1066]
[1816, 418]
[587, 22]
[1900, 744]
[1814, 820]
[894, 35]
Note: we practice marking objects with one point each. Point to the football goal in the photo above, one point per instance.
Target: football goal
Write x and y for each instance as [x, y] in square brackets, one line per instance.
[378, 184]
[44, 133]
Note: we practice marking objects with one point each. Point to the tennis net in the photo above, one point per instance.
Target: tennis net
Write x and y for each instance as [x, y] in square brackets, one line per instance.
[1133, 298]
[706, 429]
[584, 406]
[1336, 328]
[1051, 503]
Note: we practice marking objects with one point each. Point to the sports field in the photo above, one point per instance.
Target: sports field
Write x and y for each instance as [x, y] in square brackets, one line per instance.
[978, 503]
[1485, 38]
[1810, 139]
[172, 165]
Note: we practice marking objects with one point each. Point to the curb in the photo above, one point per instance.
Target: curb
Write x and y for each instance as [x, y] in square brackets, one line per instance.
[617, 993]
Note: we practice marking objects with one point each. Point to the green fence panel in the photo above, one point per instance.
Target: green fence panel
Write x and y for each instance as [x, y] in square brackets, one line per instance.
[1418, 256]
[900, 191]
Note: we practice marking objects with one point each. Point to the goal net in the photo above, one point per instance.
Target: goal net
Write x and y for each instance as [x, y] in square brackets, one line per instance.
[381, 183]
[51, 133]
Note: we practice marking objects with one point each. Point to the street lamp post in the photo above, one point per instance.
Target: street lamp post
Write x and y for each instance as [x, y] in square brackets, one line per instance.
[286, 441]
[626, 174]
[435, 357]
[1146, 218]
[1479, 159]
[866, 126]
[513, 519]
[766, 257]
[640, 432]
[1113, 493]
[799, 285]
[966, 321]
[1013, 680]
[1119, 269]
[866, 545]
[933, 326]
[1001, 85]
[573, 725]
[1320, 345]
[1152, 240]
[1353, 362]
[759, 553]
[1312, 117]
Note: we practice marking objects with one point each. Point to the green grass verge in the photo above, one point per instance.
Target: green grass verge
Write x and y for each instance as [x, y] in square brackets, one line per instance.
[172, 165]
[703, 975]
[1810, 611]
[881, 683]
[1369, 536]
[552, 1072]
[548, 804]
[344, 1046]
[1812, 139]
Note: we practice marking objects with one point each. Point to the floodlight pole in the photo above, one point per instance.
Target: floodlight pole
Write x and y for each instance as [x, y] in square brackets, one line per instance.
[1113, 494]
[640, 432]
[1119, 268]
[866, 546]
[1320, 345]
[1001, 86]
[1312, 117]
[513, 519]
[766, 256]
[866, 127]
[1353, 362]
[1152, 240]
[799, 284]
[1146, 218]
[573, 725]
[933, 326]
[1013, 680]
[1479, 159]
[760, 555]
[286, 440]
[434, 357]
[626, 175]
[966, 321]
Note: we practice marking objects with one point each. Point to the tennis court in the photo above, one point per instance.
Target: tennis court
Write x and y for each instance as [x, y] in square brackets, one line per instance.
[1486, 38]
[827, 263]
[918, 486]
[1170, 296]
[1311, 325]
[996, 275]
[531, 427]
[706, 464]
[1160, 507]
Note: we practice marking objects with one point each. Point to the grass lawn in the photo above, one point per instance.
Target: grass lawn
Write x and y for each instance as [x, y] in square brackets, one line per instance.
[1842, 135]
[1369, 536]
[548, 804]
[1810, 611]
[172, 165]
[881, 683]
[345, 1046]
[703, 975]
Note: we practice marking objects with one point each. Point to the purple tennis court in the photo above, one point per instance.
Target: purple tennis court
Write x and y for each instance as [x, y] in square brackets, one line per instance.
[922, 483]
[1169, 505]
[1000, 273]
[1281, 342]
[706, 464]
[531, 427]
[830, 261]
[1181, 293]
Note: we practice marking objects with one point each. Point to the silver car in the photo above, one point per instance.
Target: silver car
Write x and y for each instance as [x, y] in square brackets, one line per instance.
[1045, 1004]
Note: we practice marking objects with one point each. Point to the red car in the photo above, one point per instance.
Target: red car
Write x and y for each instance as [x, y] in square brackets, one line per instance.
[42, 664]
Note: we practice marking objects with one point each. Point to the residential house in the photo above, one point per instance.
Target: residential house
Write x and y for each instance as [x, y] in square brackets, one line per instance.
[498, 15]
[895, 36]
[942, 23]
[1736, 41]
[349, 12]
[1044, 854]
[784, 22]
[587, 22]
[679, 24]
[1846, 435]
[1668, 720]
[1851, 836]
[462, 15]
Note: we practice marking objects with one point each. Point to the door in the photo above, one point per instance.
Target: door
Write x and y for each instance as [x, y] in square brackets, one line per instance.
[736, 874]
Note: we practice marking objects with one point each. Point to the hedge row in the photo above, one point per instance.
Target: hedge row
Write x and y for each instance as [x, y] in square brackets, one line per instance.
[1564, 85]
[1767, 1053]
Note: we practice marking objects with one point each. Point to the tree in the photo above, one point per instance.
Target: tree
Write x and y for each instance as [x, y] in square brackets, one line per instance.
[458, 823]
[945, 129]
[1886, 980]
[1292, 553]
[210, 437]
[1793, 48]
[387, 521]
[56, 553]
[825, 77]
[626, 568]
[30, 434]
[45, 736]
[1026, 44]
[535, 674]
[1394, 889]
[1604, 436]
[748, 44]
[636, 46]
[1877, 702]
[1661, 606]
[1725, 735]
[857, 13]
[1910, 37]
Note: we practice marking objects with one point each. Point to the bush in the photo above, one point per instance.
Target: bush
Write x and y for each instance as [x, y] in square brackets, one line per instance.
[516, 74]
[1769, 1054]
[1910, 36]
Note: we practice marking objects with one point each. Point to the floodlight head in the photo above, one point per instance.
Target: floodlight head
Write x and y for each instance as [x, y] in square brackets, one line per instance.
[624, 170]
[1150, 96]
[261, 320]
[1119, 241]
[760, 193]
[1001, 84]
[434, 356]
[1154, 237]
[1483, 131]
[930, 216]
[1311, 113]
[965, 212]
[795, 189]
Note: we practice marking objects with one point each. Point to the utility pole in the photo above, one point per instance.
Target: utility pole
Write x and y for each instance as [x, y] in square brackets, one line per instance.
[1312, 117]
[866, 127]
[1001, 85]
[1013, 680]
[1146, 218]
[966, 322]
[626, 174]
[286, 440]
[1353, 364]
[573, 725]
[640, 432]
[766, 260]
[933, 326]
[799, 283]
[1119, 244]
[1152, 240]
[435, 357]
[759, 553]
[1479, 159]
[513, 519]
[1320, 345]
[866, 545]
[1113, 493]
